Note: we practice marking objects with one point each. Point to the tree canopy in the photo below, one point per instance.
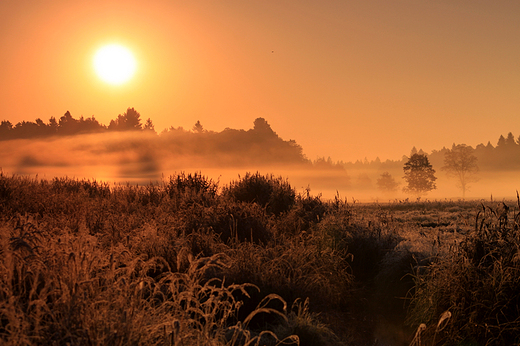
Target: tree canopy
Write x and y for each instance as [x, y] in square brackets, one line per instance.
[419, 175]
[460, 163]
[130, 120]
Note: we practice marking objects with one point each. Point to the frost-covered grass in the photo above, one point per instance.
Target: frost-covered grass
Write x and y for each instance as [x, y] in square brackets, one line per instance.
[187, 262]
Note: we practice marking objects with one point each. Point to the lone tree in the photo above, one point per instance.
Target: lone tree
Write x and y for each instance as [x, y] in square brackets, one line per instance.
[459, 162]
[387, 183]
[419, 174]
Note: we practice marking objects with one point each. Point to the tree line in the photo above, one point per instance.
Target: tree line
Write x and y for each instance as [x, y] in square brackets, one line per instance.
[505, 155]
[229, 148]
[67, 125]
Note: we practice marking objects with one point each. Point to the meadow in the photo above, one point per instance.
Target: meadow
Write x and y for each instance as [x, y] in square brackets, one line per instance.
[186, 261]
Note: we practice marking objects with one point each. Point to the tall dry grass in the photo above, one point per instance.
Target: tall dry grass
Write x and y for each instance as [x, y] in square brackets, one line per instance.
[88, 263]
[477, 285]
[184, 261]
[65, 289]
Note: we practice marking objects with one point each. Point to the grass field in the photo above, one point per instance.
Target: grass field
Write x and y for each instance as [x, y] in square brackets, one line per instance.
[186, 261]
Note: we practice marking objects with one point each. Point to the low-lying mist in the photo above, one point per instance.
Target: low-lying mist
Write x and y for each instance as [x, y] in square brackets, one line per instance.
[141, 158]
[137, 157]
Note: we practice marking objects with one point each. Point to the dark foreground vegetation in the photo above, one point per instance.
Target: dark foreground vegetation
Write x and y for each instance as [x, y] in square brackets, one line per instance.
[188, 262]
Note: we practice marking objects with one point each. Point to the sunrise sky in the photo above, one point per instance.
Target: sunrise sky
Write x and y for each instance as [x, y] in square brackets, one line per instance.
[346, 79]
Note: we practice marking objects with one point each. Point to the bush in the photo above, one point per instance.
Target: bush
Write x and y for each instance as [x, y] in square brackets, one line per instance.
[307, 212]
[191, 188]
[274, 194]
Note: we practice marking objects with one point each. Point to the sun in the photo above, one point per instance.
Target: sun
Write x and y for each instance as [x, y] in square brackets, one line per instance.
[114, 64]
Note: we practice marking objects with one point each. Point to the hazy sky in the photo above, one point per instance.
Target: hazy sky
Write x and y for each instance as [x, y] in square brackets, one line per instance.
[346, 79]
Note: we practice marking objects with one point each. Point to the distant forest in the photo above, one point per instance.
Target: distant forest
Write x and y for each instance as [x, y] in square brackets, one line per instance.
[257, 146]
[260, 145]
[68, 126]
[505, 156]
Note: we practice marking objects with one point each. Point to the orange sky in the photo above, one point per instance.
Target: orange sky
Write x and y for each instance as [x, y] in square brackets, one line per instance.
[346, 79]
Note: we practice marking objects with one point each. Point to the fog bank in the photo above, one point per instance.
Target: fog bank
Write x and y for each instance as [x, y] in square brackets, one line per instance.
[141, 158]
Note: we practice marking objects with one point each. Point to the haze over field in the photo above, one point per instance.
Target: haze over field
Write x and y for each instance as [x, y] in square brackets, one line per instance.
[129, 151]
[346, 79]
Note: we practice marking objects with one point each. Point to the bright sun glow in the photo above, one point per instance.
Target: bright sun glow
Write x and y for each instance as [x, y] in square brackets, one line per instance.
[114, 64]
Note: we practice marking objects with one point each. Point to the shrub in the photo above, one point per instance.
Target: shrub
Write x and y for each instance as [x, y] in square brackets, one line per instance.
[185, 190]
[306, 213]
[274, 194]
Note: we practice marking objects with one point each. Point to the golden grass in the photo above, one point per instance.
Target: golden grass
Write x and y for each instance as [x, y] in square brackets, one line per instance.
[182, 262]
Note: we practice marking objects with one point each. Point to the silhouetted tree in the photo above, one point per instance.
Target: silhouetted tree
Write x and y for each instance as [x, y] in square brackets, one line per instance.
[148, 126]
[510, 140]
[133, 119]
[501, 142]
[415, 151]
[53, 126]
[262, 126]
[325, 164]
[6, 125]
[6, 130]
[67, 125]
[25, 129]
[89, 125]
[197, 128]
[419, 175]
[43, 129]
[129, 121]
[387, 183]
[297, 149]
[173, 130]
[461, 163]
